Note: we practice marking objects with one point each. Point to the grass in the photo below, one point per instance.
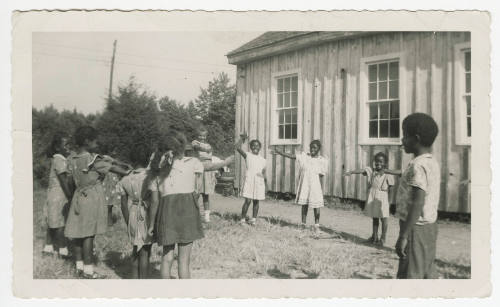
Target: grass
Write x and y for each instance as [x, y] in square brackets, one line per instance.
[274, 248]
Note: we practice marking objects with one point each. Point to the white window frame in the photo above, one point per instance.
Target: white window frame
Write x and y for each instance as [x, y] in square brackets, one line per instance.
[461, 137]
[274, 105]
[363, 98]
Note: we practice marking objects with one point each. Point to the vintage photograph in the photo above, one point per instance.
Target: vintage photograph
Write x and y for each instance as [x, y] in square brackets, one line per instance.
[281, 156]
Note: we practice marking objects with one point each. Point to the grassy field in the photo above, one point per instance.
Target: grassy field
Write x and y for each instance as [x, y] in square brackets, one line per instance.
[275, 248]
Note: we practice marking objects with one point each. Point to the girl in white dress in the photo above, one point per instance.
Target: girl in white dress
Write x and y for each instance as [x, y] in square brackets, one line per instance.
[311, 167]
[380, 183]
[254, 187]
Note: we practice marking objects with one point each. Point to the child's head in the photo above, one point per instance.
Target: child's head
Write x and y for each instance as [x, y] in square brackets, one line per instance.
[380, 160]
[315, 147]
[202, 134]
[86, 138]
[255, 146]
[58, 145]
[139, 156]
[419, 130]
[176, 142]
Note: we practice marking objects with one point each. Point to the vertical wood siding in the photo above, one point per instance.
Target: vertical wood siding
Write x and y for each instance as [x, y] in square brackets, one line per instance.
[332, 116]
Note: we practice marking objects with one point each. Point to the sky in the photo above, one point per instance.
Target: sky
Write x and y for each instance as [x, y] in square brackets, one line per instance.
[72, 69]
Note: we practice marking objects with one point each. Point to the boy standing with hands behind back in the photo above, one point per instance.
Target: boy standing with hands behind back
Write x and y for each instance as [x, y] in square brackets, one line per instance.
[418, 200]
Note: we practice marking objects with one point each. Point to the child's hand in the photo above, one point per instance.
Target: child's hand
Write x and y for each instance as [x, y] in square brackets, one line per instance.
[243, 136]
[195, 143]
[401, 247]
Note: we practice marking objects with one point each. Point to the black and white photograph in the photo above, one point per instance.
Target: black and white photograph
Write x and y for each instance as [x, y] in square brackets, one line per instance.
[259, 154]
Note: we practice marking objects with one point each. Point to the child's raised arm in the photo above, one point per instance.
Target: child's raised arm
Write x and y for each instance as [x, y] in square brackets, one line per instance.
[357, 171]
[201, 146]
[393, 172]
[238, 144]
[212, 166]
[282, 153]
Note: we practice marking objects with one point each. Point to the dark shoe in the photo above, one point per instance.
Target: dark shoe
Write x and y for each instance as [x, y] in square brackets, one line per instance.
[371, 240]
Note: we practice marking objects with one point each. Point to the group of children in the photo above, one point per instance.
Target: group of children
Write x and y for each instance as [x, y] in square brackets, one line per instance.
[159, 196]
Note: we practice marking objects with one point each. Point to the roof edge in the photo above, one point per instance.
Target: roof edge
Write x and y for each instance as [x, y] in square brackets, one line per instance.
[290, 44]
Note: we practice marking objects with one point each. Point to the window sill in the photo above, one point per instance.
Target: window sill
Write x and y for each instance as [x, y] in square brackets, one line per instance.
[284, 142]
[393, 142]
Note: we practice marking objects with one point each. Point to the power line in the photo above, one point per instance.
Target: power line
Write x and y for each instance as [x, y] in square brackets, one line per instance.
[72, 57]
[127, 63]
[130, 54]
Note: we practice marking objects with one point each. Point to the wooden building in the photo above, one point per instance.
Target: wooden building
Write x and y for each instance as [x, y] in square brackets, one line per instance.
[351, 90]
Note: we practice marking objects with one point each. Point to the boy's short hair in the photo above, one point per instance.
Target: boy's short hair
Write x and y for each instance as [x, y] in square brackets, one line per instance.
[422, 125]
[83, 134]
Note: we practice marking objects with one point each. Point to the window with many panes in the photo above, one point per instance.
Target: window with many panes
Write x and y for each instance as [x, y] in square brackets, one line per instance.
[383, 100]
[287, 107]
[467, 86]
[463, 94]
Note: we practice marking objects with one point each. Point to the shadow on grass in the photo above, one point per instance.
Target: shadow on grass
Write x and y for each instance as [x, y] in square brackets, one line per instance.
[122, 266]
[276, 273]
[450, 270]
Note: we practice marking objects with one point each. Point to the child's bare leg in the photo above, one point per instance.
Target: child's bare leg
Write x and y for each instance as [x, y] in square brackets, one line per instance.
[166, 261]
[135, 263]
[206, 206]
[244, 209]
[317, 213]
[255, 211]
[184, 260]
[206, 203]
[78, 254]
[375, 224]
[88, 247]
[144, 254]
[60, 238]
[49, 246]
[110, 215]
[384, 229]
[305, 208]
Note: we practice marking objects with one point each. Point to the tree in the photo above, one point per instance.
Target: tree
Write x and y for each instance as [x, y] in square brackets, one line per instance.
[130, 119]
[216, 107]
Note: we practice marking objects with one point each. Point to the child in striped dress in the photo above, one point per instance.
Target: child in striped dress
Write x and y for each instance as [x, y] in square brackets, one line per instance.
[254, 187]
[58, 193]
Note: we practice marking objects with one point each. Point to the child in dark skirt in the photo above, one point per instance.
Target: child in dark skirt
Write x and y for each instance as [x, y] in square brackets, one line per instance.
[174, 212]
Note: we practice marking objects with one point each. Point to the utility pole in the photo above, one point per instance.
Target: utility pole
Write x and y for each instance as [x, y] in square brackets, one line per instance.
[111, 71]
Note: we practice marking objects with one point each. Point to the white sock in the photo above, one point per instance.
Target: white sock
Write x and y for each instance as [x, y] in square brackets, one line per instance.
[48, 248]
[207, 215]
[63, 251]
[243, 220]
[88, 269]
[79, 265]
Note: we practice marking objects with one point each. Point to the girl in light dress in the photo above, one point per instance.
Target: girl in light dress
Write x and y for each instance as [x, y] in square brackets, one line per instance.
[254, 186]
[174, 213]
[58, 193]
[380, 184]
[311, 167]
